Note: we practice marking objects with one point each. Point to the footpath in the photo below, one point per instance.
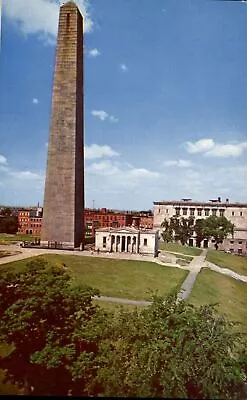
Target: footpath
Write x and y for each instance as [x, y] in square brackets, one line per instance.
[165, 259]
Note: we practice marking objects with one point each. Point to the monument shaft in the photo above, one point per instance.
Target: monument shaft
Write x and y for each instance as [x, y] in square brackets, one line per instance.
[63, 212]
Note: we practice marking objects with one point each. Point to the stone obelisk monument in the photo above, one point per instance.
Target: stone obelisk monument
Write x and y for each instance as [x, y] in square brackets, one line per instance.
[63, 213]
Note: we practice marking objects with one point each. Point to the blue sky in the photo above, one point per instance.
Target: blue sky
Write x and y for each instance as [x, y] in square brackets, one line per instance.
[165, 100]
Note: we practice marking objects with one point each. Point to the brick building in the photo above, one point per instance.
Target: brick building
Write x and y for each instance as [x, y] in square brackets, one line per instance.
[236, 213]
[30, 221]
[104, 218]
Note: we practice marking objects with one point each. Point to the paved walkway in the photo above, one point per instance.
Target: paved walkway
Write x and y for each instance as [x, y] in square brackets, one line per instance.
[226, 271]
[195, 267]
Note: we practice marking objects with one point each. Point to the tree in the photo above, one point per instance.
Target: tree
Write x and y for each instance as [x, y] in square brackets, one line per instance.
[177, 229]
[214, 227]
[167, 232]
[200, 231]
[44, 317]
[170, 349]
[62, 344]
[6, 212]
[218, 228]
[8, 224]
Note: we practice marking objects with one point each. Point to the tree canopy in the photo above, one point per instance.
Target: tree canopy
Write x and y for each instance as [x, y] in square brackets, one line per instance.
[181, 229]
[62, 344]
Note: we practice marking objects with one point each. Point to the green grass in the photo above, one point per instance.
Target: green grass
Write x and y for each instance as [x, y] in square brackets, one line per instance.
[8, 239]
[212, 287]
[224, 260]
[117, 278]
[115, 308]
[178, 248]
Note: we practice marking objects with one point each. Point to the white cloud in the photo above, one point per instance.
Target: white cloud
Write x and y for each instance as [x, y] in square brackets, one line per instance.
[123, 174]
[100, 114]
[200, 146]
[178, 163]
[35, 101]
[103, 115]
[26, 175]
[3, 160]
[113, 119]
[41, 16]
[210, 148]
[96, 151]
[94, 52]
[123, 67]
[227, 150]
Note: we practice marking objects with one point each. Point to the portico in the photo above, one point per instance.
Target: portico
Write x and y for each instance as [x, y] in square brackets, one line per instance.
[126, 240]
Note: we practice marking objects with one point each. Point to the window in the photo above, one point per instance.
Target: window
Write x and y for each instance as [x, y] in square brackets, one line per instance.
[231, 250]
[214, 212]
[241, 213]
[177, 211]
[145, 242]
[239, 251]
[199, 212]
[240, 242]
[185, 211]
[167, 211]
[192, 212]
[159, 210]
[104, 242]
[232, 213]
[206, 212]
[222, 213]
[232, 241]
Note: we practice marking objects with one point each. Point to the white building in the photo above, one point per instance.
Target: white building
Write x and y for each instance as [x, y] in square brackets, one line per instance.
[127, 240]
[234, 212]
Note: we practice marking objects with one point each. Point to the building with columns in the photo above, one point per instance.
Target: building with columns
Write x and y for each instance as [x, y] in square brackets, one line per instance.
[127, 240]
[236, 213]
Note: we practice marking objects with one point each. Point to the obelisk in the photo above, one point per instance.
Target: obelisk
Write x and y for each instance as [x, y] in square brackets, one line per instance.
[63, 211]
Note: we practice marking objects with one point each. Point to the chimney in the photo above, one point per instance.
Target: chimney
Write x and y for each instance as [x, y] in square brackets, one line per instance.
[219, 199]
[227, 200]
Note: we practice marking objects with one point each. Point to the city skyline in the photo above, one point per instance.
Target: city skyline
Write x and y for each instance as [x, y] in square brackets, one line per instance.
[165, 95]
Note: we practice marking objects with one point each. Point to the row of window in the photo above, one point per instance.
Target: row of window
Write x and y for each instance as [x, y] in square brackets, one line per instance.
[240, 213]
[239, 242]
[145, 241]
[104, 218]
[240, 251]
[191, 212]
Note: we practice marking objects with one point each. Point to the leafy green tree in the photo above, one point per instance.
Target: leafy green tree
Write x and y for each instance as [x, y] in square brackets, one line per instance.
[62, 344]
[167, 232]
[171, 349]
[178, 229]
[218, 228]
[45, 318]
[199, 229]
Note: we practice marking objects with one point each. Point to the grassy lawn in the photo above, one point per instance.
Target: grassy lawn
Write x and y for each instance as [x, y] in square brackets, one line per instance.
[235, 263]
[7, 239]
[117, 278]
[212, 287]
[115, 308]
[178, 248]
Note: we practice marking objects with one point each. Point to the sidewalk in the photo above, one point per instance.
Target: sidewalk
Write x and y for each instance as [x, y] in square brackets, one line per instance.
[195, 267]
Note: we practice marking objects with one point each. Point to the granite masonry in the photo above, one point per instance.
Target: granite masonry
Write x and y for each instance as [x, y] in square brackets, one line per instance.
[63, 214]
